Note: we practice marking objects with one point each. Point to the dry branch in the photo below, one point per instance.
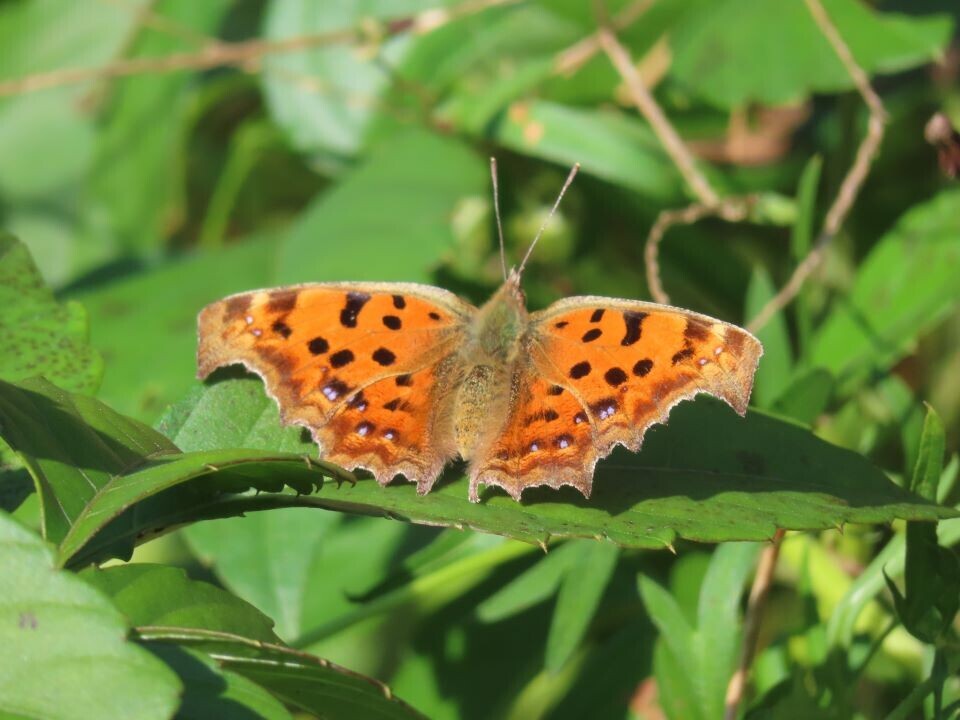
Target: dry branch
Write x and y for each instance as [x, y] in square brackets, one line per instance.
[242, 54]
[852, 182]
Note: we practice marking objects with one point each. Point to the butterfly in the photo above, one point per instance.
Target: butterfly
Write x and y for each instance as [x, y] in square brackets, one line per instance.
[401, 378]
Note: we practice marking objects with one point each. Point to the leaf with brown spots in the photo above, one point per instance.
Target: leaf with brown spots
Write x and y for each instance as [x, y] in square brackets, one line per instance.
[399, 379]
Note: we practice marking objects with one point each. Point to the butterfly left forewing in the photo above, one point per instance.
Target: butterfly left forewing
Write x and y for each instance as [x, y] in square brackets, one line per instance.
[330, 353]
[606, 370]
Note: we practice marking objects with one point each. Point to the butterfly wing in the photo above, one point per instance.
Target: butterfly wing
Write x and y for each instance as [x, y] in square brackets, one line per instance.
[597, 373]
[367, 368]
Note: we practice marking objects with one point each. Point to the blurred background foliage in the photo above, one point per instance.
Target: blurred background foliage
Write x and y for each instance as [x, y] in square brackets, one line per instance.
[148, 176]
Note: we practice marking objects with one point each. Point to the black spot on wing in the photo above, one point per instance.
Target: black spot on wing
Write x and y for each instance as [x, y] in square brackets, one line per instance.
[591, 335]
[318, 346]
[680, 356]
[399, 302]
[642, 367]
[615, 376]
[383, 357]
[632, 321]
[581, 369]
[282, 329]
[392, 322]
[597, 315]
[352, 308]
[404, 380]
[341, 358]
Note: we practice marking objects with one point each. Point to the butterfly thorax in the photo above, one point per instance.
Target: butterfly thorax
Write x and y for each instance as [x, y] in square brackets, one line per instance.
[495, 339]
[498, 325]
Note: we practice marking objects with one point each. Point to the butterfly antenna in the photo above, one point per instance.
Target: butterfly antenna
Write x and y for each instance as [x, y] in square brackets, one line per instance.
[553, 210]
[496, 211]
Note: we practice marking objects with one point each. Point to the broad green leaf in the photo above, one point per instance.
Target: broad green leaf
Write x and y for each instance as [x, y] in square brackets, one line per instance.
[72, 445]
[773, 373]
[904, 287]
[806, 397]
[533, 586]
[331, 115]
[165, 596]
[581, 591]
[747, 478]
[65, 649]
[92, 467]
[609, 145]
[46, 138]
[301, 680]
[678, 635]
[209, 691]
[393, 211]
[139, 320]
[705, 654]
[931, 594]
[719, 630]
[41, 335]
[138, 165]
[717, 47]
[267, 558]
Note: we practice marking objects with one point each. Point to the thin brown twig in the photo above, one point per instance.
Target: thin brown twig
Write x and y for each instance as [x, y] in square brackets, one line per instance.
[574, 57]
[247, 52]
[730, 209]
[648, 107]
[852, 182]
[751, 625]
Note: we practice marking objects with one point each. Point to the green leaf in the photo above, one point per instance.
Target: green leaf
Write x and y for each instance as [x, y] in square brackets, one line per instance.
[773, 373]
[609, 145]
[532, 587]
[716, 48]
[905, 286]
[801, 240]
[748, 478]
[92, 465]
[581, 591]
[410, 226]
[65, 649]
[719, 630]
[212, 692]
[806, 397]
[40, 335]
[297, 678]
[705, 655]
[931, 595]
[138, 166]
[164, 596]
[268, 558]
[333, 117]
[929, 468]
[72, 445]
[139, 320]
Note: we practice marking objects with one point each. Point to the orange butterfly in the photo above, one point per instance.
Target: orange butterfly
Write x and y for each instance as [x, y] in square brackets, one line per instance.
[400, 378]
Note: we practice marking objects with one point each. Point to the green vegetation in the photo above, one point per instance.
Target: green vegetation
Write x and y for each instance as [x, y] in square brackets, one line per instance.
[167, 549]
